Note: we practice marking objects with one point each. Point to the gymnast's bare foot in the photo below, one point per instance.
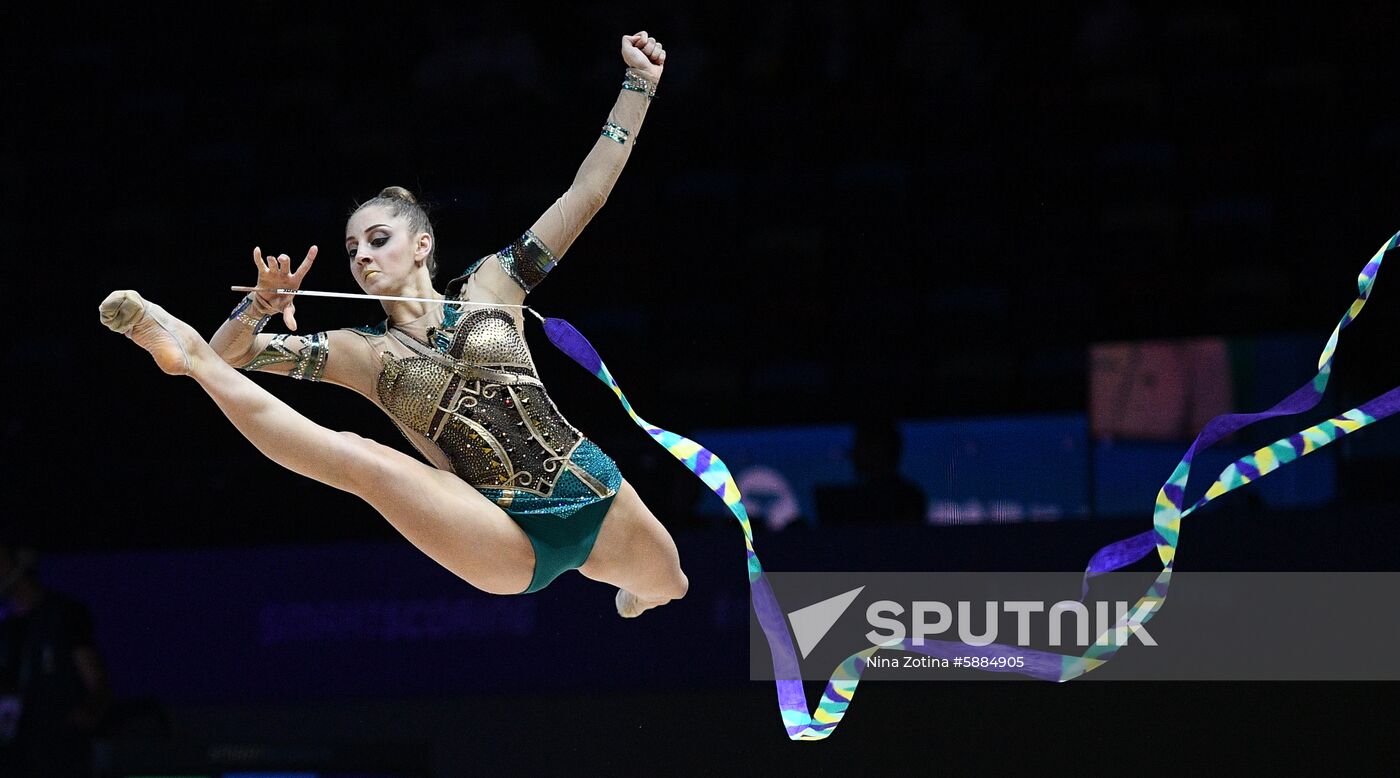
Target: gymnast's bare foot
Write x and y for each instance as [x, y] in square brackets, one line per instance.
[630, 606]
[152, 328]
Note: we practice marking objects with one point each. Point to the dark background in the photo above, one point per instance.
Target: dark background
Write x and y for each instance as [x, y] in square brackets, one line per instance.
[956, 197]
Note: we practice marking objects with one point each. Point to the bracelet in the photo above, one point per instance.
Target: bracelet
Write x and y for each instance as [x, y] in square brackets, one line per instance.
[633, 82]
[615, 132]
[241, 313]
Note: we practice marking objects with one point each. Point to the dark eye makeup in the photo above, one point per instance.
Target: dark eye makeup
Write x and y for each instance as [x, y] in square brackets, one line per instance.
[375, 242]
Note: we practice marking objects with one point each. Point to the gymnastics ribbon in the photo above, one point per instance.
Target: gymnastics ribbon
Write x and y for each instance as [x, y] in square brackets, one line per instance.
[802, 724]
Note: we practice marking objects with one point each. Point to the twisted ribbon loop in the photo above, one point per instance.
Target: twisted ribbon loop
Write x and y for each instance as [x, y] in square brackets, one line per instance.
[804, 724]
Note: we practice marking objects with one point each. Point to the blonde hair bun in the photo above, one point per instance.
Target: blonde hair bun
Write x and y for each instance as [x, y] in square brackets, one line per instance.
[398, 193]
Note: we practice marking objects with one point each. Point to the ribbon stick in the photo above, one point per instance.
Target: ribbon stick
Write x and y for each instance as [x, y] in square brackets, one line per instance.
[353, 296]
[804, 724]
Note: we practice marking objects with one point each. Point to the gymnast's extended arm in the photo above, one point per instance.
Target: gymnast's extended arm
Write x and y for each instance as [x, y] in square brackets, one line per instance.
[511, 273]
[239, 340]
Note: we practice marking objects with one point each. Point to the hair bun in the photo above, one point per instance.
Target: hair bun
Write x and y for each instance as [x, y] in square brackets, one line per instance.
[398, 193]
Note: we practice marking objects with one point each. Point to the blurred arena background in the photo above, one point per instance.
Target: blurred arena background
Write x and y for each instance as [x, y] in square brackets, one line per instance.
[949, 285]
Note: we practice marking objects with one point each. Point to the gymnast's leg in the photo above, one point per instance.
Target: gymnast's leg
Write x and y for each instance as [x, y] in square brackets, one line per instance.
[635, 553]
[439, 513]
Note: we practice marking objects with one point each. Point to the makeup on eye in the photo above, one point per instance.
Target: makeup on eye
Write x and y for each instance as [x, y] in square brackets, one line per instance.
[377, 242]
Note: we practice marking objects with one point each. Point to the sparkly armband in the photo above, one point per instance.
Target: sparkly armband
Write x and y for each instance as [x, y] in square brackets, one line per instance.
[243, 313]
[615, 132]
[308, 363]
[633, 82]
[527, 260]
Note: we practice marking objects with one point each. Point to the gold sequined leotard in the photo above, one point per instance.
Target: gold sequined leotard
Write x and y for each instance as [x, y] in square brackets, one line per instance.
[466, 391]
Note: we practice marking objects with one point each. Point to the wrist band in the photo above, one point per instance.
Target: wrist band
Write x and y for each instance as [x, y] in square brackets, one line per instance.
[615, 132]
[635, 83]
[242, 314]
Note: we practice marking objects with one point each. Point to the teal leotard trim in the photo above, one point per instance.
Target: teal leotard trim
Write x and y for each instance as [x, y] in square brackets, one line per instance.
[563, 526]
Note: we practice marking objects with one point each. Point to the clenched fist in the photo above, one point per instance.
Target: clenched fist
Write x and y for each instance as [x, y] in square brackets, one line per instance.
[644, 53]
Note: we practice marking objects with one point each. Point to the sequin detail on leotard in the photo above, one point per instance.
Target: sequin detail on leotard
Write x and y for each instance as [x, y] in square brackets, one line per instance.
[481, 403]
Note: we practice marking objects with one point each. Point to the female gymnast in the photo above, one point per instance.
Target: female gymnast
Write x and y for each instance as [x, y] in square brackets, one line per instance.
[515, 495]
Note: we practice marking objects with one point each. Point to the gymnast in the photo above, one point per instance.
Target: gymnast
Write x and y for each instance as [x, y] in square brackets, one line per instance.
[515, 495]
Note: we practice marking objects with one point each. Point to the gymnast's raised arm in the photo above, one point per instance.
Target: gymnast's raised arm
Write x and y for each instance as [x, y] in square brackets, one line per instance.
[512, 272]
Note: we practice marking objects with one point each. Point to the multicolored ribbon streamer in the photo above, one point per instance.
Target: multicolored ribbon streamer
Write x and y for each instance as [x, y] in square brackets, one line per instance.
[802, 724]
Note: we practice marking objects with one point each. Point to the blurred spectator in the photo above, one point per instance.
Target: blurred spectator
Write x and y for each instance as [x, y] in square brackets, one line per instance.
[53, 687]
[881, 494]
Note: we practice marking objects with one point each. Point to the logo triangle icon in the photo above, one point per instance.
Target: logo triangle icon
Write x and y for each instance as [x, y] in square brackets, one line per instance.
[810, 624]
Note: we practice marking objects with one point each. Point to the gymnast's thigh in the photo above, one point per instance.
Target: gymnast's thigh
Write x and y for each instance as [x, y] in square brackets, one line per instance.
[443, 516]
[634, 550]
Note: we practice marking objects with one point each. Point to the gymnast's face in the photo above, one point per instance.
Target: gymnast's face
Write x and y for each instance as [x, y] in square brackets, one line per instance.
[384, 253]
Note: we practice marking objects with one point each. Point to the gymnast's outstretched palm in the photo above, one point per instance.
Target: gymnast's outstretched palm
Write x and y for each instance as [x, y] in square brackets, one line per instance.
[275, 272]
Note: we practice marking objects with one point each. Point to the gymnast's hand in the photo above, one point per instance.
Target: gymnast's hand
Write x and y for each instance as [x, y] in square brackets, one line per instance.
[644, 53]
[276, 273]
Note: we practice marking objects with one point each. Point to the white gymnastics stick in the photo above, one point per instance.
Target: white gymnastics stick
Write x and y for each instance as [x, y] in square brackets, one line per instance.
[349, 296]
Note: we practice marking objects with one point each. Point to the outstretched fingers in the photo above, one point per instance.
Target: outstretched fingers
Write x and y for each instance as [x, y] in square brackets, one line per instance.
[275, 272]
[289, 313]
[305, 264]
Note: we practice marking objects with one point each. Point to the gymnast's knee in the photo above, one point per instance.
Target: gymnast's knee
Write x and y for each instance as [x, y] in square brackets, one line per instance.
[676, 585]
